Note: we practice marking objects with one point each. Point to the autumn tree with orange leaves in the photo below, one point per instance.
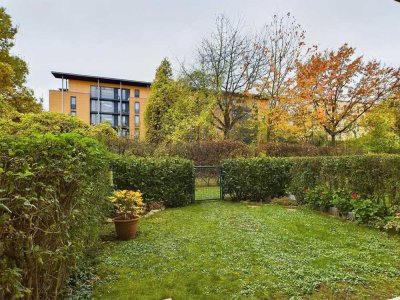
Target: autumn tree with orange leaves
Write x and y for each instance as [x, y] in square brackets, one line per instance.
[340, 87]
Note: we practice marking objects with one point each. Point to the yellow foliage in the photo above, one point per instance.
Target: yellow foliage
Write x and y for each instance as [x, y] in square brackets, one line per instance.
[129, 204]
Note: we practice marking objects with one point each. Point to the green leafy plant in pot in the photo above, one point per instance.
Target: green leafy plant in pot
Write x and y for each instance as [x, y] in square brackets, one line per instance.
[129, 205]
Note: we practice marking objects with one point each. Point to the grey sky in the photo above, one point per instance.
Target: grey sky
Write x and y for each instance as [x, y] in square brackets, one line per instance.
[128, 38]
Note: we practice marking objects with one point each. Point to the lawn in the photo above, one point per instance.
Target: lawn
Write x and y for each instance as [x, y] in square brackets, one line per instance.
[217, 250]
[207, 193]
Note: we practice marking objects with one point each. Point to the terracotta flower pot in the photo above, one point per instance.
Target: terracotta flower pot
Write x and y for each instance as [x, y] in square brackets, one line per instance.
[126, 229]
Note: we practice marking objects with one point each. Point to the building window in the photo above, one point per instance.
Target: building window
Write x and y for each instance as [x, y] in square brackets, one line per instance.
[136, 134]
[94, 92]
[137, 93]
[95, 105]
[107, 118]
[137, 121]
[107, 106]
[94, 119]
[137, 108]
[125, 94]
[125, 107]
[73, 102]
[125, 121]
[108, 93]
[73, 113]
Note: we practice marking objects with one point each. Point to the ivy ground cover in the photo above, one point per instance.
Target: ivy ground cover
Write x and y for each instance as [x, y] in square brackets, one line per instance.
[221, 250]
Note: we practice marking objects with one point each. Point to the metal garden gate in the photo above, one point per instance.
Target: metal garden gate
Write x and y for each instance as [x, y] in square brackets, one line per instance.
[208, 183]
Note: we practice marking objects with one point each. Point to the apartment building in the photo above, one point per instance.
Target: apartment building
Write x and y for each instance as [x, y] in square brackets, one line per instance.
[95, 99]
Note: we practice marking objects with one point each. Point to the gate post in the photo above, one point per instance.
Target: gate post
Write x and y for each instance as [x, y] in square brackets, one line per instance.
[194, 185]
[221, 182]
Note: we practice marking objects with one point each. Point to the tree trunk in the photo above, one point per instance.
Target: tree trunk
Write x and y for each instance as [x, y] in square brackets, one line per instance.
[226, 133]
[268, 136]
[333, 139]
[269, 131]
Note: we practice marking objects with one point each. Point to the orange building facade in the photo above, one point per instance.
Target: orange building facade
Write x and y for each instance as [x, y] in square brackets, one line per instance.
[94, 99]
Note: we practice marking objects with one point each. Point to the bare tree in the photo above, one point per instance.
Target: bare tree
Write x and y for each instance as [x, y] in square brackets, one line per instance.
[283, 47]
[231, 61]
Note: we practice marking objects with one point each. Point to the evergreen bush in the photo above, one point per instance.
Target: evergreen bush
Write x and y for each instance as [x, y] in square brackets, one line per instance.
[52, 199]
[166, 179]
[257, 179]
[368, 176]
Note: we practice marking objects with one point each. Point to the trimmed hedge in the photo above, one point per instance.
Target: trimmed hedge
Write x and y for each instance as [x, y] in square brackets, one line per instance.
[167, 179]
[369, 176]
[206, 153]
[257, 179]
[304, 149]
[52, 200]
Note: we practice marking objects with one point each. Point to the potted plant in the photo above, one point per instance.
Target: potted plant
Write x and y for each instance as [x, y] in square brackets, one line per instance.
[129, 205]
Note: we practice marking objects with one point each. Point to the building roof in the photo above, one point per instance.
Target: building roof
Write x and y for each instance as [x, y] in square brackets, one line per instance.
[101, 79]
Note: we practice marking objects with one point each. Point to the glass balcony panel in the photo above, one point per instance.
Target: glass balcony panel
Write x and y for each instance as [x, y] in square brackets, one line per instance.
[94, 91]
[107, 93]
[107, 118]
[94, 119]
[107, 106]
[94, 105]
[125, 108]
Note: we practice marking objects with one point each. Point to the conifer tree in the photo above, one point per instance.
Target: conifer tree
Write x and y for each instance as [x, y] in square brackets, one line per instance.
[161, 98]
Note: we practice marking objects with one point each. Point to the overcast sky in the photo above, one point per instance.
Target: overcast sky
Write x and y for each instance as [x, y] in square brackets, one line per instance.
[128, 38]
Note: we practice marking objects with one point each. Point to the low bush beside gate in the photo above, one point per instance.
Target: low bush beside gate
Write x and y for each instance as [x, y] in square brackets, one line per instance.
[52, 199]
[257, 179]
[166, 179]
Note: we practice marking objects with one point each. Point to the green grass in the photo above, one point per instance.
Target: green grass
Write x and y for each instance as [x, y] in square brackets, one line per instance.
[207, 193]
[217, 250]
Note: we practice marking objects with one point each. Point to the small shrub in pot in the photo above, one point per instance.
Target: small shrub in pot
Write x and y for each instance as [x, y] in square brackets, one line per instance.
[129, 206]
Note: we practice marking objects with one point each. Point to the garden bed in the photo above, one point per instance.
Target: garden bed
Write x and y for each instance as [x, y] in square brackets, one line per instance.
[220, 250]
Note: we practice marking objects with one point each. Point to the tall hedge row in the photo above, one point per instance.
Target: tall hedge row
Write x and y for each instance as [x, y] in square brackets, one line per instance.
[52, 199]
[167, 179]
[370, 176]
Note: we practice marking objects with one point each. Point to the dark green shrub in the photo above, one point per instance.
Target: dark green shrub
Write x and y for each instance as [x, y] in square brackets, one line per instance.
[367, 184]
[288, 149]
[342, 200]
[52, 199]
[206, 153]
[45, 122]
[318, 198]
[392, 223]
[303, 175]
[367, 210]
[257, 179]
[369, 176]
[304, 149]
[168, 179]
[319, 181]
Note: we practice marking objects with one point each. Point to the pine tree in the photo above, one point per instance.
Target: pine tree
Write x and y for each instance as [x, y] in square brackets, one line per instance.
[162, 96]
